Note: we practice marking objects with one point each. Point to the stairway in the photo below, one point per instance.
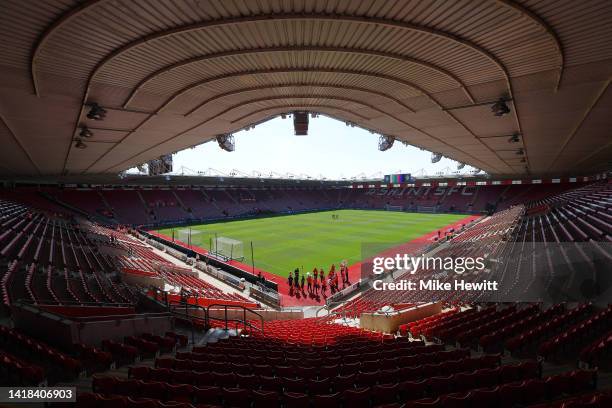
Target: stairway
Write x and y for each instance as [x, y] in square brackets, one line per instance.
[103, 199]
[216, 334]
[144, 203]
[181, 204]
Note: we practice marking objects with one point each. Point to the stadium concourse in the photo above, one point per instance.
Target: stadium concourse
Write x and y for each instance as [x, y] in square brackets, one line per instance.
[100, 310]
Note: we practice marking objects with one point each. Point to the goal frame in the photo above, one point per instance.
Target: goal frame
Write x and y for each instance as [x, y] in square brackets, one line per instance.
[231, 249]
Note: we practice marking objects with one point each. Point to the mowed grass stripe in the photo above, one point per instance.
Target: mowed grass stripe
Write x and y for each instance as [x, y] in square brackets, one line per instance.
[315, 240]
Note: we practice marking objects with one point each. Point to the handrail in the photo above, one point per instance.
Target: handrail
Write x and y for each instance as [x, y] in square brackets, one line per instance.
[244, 310]
[207, 317]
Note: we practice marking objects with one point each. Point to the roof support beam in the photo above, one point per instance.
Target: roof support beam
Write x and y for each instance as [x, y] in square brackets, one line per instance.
[263, 99]
[151, 77]
[297, 85]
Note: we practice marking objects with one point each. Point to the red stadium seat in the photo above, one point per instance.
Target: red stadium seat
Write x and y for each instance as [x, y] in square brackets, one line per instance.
[265, 399]
[296, 399]
[237, 397]
[326, 400]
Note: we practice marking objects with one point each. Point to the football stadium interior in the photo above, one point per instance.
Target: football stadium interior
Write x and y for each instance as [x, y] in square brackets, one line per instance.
[124, 289]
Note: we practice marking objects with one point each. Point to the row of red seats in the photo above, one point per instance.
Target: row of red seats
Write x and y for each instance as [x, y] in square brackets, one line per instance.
[294, 394]
[451, 332]
[270, 349]
[374, 350]
[57, 364]
[472, 335]
[404, 357]
[97, 360]
[545, 330]
[248, 375]
[94, 400]
[415, 328]
[93, 359]
[15, 371]
[577, 335]
[432, 386]
[428, 329]
[494, 340]
[147, 345]
[308, 368]
[457, 320]
[599, 352]
[519, 393]
[597, 399]
[122, 353]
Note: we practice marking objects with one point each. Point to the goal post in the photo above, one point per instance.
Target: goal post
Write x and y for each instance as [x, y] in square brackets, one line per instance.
[389, 207]
[228, 248]
[188, 236]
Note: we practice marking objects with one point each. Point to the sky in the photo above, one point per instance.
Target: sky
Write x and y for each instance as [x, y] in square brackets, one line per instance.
[331, 150]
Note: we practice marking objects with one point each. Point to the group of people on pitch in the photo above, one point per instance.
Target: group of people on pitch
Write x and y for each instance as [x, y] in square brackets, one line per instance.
[316, 282]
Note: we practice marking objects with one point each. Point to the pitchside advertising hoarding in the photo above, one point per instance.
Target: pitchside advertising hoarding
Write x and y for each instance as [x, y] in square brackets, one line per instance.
[507, 272]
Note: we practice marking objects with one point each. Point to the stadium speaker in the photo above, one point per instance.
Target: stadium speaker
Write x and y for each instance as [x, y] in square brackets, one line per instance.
[96, 112]
[226, 142]
[300, 123]
[436, 157]
[79, 144]
[385, 142]
[500, 108]
[515, 138]
[85, 132]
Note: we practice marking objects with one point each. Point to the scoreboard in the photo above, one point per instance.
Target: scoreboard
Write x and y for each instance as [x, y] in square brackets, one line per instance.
[398, 178]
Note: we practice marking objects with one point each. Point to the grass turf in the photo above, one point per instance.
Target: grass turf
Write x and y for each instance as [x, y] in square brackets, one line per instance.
[311, 240]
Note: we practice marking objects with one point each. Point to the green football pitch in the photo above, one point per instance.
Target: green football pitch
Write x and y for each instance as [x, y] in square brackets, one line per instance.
[283, 243]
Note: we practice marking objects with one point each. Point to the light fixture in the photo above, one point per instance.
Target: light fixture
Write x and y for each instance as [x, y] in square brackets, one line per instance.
[85, 132]
[96, 112]
[226, 142]
[79, 144]
[515, 138]
[500, 108]
[385, 142]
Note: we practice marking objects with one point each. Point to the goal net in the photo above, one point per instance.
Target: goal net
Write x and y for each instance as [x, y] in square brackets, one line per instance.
[189, 237]
[228, 248]
[426, 209]
[394, 207]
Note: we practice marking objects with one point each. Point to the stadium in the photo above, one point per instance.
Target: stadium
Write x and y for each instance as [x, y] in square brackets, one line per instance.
[127, 282]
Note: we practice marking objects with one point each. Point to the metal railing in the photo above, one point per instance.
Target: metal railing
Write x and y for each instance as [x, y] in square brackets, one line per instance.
[206, 311]
[244, 321]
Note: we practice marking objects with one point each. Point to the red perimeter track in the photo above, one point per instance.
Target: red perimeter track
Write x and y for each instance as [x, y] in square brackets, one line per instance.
[354, 269]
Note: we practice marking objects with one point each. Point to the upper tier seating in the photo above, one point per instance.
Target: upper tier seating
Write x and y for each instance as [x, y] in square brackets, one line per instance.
[161, 206]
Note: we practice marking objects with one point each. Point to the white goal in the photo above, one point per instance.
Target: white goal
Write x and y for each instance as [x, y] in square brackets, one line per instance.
[189, 236]
[394, 207]
[228, 248]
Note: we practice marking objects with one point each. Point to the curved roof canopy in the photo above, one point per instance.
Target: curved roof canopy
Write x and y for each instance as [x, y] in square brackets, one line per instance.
[173, 74]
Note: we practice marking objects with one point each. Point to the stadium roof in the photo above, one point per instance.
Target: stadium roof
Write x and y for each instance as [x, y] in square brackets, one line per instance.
[173, 74]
